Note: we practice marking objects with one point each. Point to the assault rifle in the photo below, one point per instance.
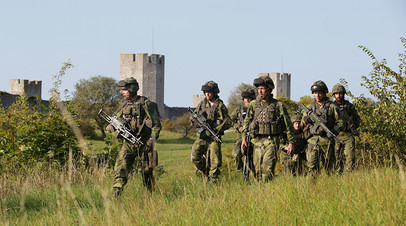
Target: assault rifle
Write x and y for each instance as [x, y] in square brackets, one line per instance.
[204, 126]
[123, 129]
[318, 122]
[248, 161]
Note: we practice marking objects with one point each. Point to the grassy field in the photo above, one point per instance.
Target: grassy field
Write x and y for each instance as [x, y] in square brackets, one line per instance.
[46, 196]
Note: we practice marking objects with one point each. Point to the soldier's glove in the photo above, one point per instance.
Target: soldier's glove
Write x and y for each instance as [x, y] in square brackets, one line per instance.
[110, 128]
[150, 144]
[307, 120]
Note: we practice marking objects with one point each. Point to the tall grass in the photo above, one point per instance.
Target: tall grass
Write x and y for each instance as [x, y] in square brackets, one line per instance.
[44, 195]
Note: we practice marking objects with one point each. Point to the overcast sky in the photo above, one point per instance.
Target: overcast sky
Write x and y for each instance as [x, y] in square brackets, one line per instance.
[226, 41]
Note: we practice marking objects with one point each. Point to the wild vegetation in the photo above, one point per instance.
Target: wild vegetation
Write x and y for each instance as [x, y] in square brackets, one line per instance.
[43, 181]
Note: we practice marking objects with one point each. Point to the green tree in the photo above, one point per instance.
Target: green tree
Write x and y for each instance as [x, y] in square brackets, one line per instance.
[235, 99]
[386, 118]
[184, 125]
[89, 97]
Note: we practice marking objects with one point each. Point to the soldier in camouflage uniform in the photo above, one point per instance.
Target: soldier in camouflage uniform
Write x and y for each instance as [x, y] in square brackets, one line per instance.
[320, 149]
[143, 117]
[215, 112]
[267, 118]
[292, 163]
[237, 117]
[345, 151]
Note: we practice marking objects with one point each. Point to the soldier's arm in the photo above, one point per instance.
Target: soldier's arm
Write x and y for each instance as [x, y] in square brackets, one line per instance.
[234, 115]
[248, 119]
[224, 118]
[288, 123]
[152, 112]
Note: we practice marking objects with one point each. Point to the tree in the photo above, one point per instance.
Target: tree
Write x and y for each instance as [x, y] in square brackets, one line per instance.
[90, 96]
[235, 99]
[386, 119]
[184, 125]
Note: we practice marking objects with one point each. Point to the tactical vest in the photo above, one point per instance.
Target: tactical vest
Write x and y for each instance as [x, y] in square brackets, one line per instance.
[134, 113]
[345, 110]
[322, 113]
[267, 119]
[210, 113]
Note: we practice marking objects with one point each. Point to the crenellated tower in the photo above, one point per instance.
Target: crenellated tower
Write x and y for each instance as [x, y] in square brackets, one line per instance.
[31, 88]
[149, 72]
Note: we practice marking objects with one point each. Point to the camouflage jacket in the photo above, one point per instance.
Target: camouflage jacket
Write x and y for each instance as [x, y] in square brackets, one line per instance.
[143, 116]
[216, 115]
[350, 115]
[238, 116]
[276, 115]
[330, 113]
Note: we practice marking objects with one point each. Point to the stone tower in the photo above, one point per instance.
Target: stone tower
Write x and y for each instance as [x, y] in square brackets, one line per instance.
[282, 83]
[31, 88]
[149, 72]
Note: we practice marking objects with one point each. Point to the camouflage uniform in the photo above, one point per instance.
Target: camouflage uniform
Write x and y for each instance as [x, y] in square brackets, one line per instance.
[143, 117]
[292, 164]
[205, 148]
[345, 151]
[266, 121]
[320, 149]
[237, 118]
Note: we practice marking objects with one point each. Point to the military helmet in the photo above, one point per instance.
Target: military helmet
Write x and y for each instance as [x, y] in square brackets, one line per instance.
[319, 86]
[129, 83]
[296, 118]
[264, 81]
[210, 86]
[248, 93]
[338, 88]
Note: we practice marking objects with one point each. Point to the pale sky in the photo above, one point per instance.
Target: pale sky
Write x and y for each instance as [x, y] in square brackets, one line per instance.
[226, 41]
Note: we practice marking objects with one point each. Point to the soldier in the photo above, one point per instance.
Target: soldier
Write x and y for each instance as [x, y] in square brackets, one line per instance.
[266, 119]
[292, 164]
[237, 117]
[143, 117]
[320, 148]
[215, 112]
[347, 145]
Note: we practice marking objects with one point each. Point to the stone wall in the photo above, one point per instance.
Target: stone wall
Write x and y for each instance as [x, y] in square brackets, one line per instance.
[31, 88]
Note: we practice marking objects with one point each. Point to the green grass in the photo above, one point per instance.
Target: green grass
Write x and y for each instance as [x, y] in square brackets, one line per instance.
[44, 196]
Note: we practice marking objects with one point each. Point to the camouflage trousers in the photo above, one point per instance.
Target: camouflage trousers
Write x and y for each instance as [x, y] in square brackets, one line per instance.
[237, 155]
[265, 151]
[320, 154]
[345, 153]
[291, 164]
[124, 164]
[203, 147]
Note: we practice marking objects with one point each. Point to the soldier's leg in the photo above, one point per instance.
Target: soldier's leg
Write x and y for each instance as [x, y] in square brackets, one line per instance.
[312, 156]
[328, 151]
[123, 166]
[198, 150]
[237, 155]
[349, 152]
[339, 152]
[215, 160]
[258, 157]
[269, 160]
[286, 163]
